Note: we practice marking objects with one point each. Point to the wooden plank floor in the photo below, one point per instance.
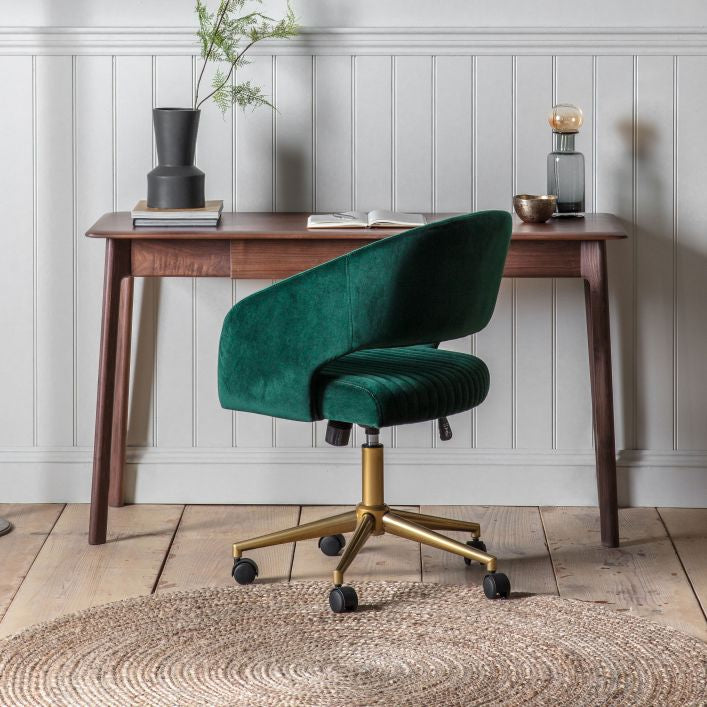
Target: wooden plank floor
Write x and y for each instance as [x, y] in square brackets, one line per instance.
[48, 568]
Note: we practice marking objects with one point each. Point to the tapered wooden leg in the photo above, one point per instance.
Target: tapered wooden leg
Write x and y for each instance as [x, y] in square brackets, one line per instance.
[596, 293]
[117, 267]
[122, 392]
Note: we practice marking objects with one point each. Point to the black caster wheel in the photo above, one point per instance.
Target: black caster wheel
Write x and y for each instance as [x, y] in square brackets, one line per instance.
[475, 543]
[244, 570]
[496, 584]
[343, 599]
[332, 545]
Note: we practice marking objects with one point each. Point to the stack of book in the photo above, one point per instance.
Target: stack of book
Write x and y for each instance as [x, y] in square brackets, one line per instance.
[208, 215]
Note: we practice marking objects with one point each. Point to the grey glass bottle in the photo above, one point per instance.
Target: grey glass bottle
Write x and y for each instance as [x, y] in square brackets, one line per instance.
[565, 175]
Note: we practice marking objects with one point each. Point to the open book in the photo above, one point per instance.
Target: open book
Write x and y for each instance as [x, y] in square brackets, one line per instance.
[361, 219]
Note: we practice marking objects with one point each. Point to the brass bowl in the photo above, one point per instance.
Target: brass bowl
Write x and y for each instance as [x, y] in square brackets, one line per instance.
[534, 209]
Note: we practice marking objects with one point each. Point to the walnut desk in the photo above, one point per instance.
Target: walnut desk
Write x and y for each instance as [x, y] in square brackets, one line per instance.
[276, 245]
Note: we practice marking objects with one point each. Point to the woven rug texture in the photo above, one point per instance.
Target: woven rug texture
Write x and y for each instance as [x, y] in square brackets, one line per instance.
[408, 644]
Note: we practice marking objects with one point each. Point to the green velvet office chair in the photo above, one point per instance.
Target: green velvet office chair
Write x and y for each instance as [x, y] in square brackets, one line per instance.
[354, 341]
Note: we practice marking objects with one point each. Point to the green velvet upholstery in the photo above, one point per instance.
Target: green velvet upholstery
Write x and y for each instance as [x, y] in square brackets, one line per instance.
[289, 350]
[383, 387]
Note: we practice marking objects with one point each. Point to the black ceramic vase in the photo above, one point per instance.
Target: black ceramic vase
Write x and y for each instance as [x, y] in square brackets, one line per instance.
[175, 183]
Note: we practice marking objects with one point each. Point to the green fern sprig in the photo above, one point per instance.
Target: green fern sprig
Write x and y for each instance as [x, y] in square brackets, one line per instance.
[225, 36]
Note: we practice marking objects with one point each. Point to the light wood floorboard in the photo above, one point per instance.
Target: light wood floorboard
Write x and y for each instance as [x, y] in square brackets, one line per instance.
[382, 557]
[49, 569]
[643, 576]
[18, 549]
[687, 528]
[513, 534]
[68, 574]
[201, 556]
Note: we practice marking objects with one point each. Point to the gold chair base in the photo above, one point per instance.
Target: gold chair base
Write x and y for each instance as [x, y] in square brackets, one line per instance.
[373, 517]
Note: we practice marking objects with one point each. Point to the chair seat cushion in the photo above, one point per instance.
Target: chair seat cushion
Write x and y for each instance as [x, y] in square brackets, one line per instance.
[382, 387]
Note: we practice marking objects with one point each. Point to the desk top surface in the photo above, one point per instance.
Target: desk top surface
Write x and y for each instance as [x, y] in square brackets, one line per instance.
[293, 225]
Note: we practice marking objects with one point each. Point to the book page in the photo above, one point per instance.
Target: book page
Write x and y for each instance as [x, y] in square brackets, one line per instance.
[341, 219]
[379, 217]
[211, 209]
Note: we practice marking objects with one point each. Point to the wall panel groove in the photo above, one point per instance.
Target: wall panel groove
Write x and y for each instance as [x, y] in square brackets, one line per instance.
[35, 406]
[675, 332]
[473, 194]
[74, 264]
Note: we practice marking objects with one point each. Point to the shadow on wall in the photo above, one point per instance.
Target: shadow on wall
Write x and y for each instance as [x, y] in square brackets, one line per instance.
[293, 178]
[143, 377]
[658, 272]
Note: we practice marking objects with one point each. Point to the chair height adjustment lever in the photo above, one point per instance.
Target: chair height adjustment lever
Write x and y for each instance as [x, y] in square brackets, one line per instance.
[445, 429]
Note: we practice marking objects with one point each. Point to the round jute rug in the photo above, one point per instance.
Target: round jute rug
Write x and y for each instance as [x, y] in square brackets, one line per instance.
[408, 644]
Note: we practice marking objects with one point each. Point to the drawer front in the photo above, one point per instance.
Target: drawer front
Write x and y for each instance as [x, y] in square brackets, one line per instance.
[180, 258]
[275, 259]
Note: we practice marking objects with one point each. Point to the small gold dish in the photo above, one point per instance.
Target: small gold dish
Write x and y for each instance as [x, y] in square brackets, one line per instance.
[532, 208]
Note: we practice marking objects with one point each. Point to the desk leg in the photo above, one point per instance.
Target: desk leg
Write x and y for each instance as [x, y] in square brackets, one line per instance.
[122, 392]
[596, 292]
[117, 267]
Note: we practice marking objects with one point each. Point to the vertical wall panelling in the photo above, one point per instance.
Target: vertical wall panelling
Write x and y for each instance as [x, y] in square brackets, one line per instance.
[213, 296]
[132, 149]
[94, 196]
[253, 184]
[691, 279]
[254, 143]
[614, 193]
[574, 83]
[333, 133]
[493, 170]
[373, 132]
[413, 147]
[175, 313]
[453, 121]
[452, 173]
[293, 152]
[373, 147]
[55, 250]
[425, 131]
[654, 252]
[413, 133]
[534, 312]
[17, 263]
[333, 144]
[294, 176]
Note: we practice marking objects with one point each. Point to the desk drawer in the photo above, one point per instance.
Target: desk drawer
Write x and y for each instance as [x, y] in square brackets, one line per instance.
[275, 259]
[179, 258]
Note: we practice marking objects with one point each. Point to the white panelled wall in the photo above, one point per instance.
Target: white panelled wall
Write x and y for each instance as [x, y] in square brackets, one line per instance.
[363, 126]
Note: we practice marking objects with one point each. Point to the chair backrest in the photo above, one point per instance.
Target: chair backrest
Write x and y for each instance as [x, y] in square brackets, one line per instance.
[434, 283]
[430, 284]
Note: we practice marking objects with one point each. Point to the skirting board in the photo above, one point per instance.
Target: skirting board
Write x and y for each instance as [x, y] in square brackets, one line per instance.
[331, 476]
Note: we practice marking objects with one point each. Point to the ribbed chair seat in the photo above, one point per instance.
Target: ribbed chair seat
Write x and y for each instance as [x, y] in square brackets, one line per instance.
[397, 386]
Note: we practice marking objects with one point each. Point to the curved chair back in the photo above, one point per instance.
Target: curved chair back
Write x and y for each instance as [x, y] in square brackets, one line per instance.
[434, 283]
[426, 285]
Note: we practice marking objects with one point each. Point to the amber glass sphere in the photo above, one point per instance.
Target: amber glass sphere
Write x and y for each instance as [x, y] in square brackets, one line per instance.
[565, 118]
